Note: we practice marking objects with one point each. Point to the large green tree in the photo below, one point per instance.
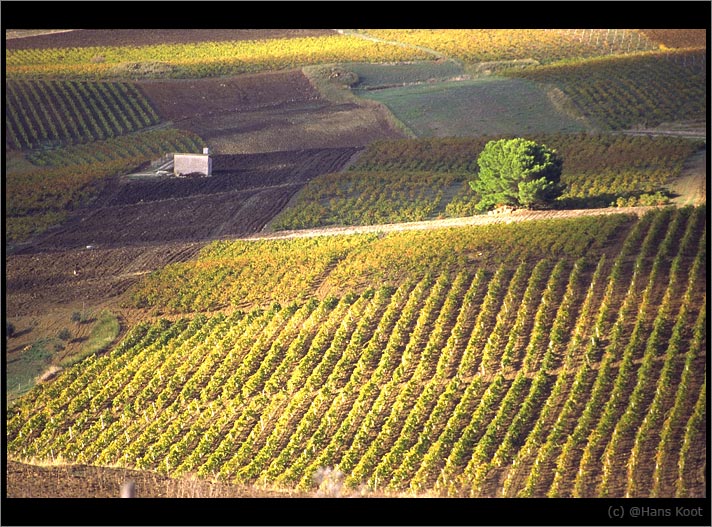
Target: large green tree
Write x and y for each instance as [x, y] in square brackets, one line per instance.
[517, 172]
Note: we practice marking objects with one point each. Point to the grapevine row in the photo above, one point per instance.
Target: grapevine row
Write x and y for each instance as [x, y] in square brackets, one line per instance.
[51, 112]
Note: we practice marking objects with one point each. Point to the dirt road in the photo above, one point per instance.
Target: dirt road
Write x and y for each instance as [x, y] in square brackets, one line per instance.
[691, 186]
[516, 216]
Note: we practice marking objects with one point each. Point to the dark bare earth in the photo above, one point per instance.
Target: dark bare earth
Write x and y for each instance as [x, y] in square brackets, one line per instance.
[80, 481]
[266, 112]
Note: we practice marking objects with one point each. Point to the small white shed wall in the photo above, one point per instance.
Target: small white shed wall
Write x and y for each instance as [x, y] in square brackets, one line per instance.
[189, 163]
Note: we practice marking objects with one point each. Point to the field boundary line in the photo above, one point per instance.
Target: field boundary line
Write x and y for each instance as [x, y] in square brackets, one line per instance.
[517, 216]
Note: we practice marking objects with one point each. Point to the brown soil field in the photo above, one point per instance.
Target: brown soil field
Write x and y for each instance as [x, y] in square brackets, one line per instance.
[266, 112]
[81, 481]
[82, 38]
[678, 38]
[140, 225]
[37, 283]
[242, 196]
[691, 186]
[181, 99]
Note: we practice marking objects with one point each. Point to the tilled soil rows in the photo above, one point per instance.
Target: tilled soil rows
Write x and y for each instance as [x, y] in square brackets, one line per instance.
[140, 225]
[266, 112]
[179, 100]
[36, 281]
[243, 195]
[80, 481]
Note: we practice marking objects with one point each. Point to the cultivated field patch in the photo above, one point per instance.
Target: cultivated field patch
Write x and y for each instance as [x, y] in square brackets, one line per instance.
[632, 91]
[51, 113]
[379, 76]
[543, 45]
[484, 106]
[267, 112]
[427, 178]
[257, 273]
[235, 201]
[84, 38]
[161, 327]
[201, 59]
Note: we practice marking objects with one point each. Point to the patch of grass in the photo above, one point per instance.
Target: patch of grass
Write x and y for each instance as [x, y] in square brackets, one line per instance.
[489, 105]
[102, 335]
[23, 370]
[338, 89]
[381, 75]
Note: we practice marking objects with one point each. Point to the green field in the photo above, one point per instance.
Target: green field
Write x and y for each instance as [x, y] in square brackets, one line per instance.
[375, 76]
[486, 106]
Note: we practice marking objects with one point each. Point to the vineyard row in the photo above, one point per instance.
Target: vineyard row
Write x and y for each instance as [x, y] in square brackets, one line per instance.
[510, 381]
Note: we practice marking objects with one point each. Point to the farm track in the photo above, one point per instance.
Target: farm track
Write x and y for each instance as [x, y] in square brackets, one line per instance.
[36, 276]
[515, 217]
[691, 186]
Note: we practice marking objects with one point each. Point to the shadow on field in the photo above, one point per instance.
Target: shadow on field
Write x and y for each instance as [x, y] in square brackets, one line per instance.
[622, 199]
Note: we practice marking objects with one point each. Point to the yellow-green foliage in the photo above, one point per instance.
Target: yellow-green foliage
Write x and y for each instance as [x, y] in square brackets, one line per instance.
[534, 377]
[49, 113]
[622, 92]
[244, 273]
[543, 45]
[203, 59]
[136, 148]
[411, 180]
[358, 198]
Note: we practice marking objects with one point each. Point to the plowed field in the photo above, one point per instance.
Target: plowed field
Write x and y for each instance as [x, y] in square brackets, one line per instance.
[237, 200]
[138, 226]
[266, 112]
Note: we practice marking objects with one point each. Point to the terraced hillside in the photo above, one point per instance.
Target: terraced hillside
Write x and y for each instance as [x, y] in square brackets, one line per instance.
[478, 377]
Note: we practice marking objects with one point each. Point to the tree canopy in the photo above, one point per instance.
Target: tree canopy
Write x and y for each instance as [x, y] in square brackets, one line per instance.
[517, 172]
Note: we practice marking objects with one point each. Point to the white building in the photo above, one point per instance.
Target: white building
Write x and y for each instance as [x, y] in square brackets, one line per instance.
[184, 164]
